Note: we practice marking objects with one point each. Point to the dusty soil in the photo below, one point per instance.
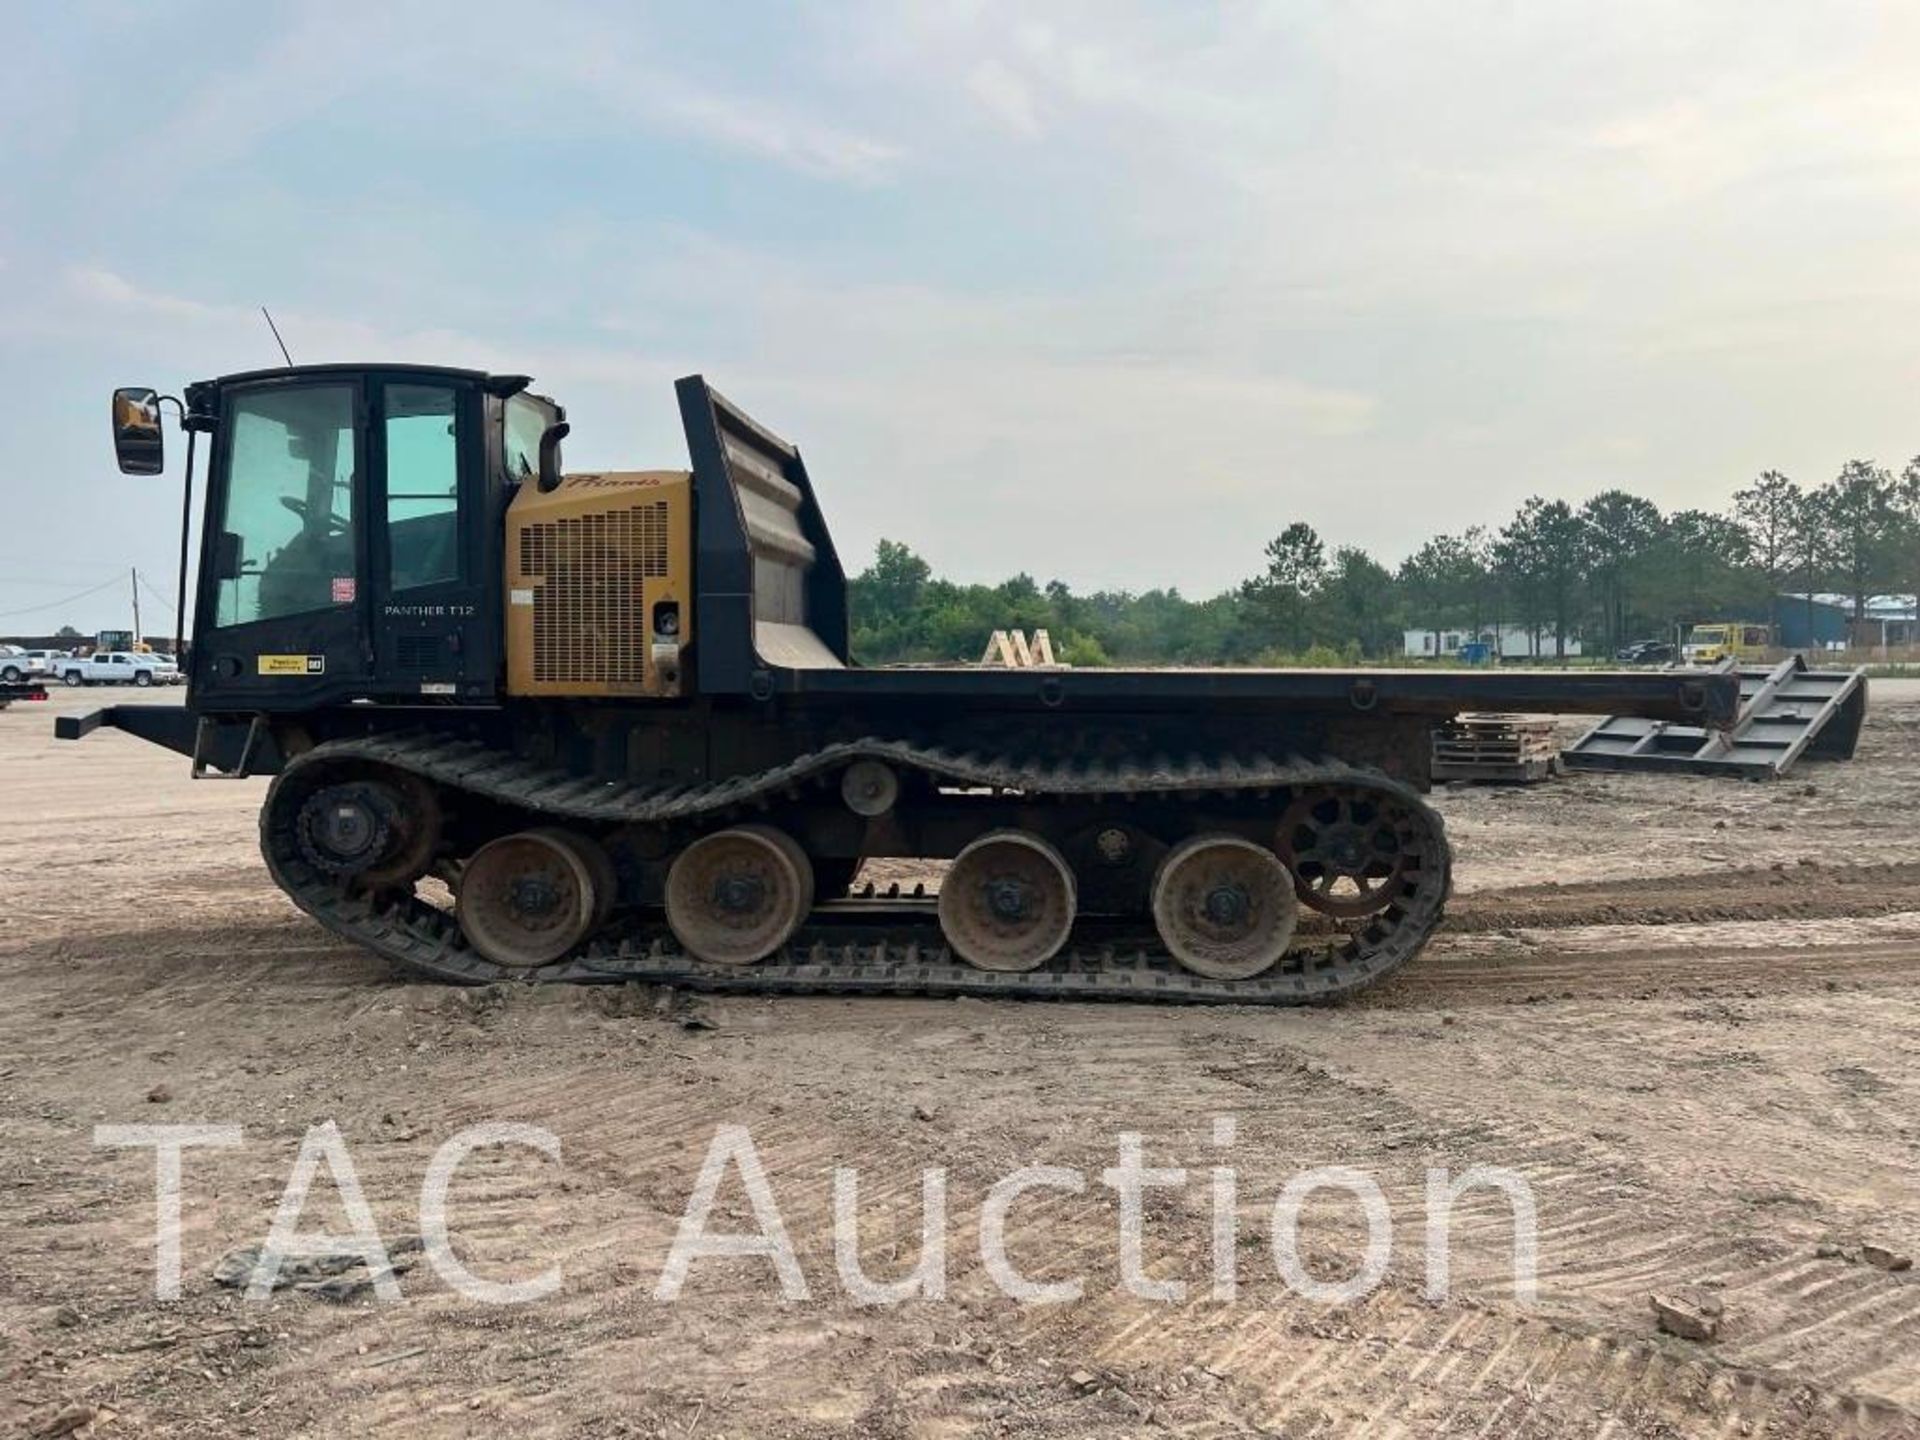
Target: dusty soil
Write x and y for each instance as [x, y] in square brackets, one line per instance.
[1687, 1011]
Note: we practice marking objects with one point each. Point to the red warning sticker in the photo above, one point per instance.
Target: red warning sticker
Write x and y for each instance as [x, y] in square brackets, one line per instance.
[343, 590]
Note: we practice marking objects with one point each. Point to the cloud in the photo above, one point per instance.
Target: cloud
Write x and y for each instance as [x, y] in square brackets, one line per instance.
[582, 68]
[110, 304]
[893, 389]
[758, 129]
[1158, 280]
[99, 287]
[313, 64]
[614, 70]
[1005, 97]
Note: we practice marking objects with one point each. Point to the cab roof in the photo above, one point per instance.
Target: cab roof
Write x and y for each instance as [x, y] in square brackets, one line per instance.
[486, 379]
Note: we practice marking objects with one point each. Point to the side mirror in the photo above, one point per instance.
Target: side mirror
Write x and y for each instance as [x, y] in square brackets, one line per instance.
[550, 440]
[137, 441]
[226, 556]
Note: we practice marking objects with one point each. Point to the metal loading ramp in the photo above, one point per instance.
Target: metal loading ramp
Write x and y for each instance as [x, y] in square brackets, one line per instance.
[1786, 711]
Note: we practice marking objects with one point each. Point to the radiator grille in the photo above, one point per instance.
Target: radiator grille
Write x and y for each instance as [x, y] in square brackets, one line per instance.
[589, 620]
[417, 652]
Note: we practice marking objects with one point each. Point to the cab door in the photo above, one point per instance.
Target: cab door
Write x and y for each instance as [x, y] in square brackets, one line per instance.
[435, 614]
[281, 612]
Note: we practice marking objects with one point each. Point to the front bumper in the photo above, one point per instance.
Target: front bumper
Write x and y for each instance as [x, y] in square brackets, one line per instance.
[234, 745]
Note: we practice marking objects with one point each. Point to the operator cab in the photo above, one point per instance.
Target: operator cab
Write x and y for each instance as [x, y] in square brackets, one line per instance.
[352, 535]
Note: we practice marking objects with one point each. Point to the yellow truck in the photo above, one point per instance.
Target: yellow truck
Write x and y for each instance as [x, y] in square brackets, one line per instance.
[1710, 643]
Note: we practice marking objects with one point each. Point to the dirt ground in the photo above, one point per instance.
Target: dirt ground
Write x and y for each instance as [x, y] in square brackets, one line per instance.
[1686, 1011]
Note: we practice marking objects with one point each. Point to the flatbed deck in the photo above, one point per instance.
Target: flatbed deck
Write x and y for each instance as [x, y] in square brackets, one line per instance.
[1694, 697]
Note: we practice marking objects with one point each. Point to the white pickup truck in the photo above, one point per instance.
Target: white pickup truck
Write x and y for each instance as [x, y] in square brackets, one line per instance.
[17, 664]
[118, 667]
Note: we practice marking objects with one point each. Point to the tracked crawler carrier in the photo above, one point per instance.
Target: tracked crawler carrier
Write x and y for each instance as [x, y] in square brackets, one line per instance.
[529, 725]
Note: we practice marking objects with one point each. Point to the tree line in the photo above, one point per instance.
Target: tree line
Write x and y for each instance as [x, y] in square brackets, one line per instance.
[1613, 570]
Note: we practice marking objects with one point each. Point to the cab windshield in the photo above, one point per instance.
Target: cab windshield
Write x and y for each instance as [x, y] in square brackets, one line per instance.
[1707, 635]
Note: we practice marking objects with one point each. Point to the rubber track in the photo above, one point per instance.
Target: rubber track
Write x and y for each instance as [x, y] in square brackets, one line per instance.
[853, 949]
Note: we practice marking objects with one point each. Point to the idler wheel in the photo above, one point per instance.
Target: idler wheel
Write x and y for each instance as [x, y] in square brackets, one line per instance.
[347, 829]
[1224, 906]
[1008, 902]
[528, 899]
[736, 896]
[416, 835]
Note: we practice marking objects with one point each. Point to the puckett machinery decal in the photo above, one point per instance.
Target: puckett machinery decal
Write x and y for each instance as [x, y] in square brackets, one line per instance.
[293, 664]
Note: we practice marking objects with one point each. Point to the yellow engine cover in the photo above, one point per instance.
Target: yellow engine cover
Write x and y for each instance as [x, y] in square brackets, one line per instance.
[599, 584]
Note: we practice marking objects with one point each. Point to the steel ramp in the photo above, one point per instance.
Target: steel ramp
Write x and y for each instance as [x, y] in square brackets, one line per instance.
[1786, 711]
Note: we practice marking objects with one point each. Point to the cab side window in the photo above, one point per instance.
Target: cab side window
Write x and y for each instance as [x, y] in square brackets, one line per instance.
[423, 485]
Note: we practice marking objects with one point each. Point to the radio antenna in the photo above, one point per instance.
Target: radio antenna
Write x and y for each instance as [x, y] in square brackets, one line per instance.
[276, 337]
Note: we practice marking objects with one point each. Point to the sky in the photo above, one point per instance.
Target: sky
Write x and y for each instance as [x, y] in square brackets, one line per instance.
[1105, 292]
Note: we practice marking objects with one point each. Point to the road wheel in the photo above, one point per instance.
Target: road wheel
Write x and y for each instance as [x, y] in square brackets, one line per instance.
[1008, 902]
[72, 677]
[1224, 906]
[143, 678]
[11, 674]
[606, 879]
[526, 899]
[736, 896]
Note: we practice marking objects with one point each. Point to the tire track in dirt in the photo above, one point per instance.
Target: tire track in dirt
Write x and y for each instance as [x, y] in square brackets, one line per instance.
[229, 984]
[645, 1111]
[1398, 1366]
[1623, 1241]
[1803, 891]
[1120, 1333]
[1466, 974]
[1607, 1236]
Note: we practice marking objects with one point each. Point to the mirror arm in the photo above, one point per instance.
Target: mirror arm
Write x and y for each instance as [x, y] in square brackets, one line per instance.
[186, 526]
[193, 425]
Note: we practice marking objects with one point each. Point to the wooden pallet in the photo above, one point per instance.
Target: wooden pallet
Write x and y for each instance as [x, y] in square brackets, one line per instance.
[1012, 649]
[1514, 749]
